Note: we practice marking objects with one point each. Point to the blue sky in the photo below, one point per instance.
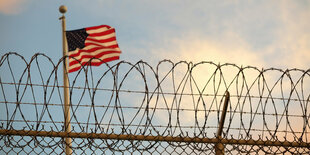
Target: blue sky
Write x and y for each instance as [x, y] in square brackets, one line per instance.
[257, 33]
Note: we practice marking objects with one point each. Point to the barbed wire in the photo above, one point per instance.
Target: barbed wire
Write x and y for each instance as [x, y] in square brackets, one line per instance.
[172, 99]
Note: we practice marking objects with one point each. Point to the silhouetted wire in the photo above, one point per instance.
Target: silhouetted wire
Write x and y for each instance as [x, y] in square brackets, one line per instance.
[260, 100]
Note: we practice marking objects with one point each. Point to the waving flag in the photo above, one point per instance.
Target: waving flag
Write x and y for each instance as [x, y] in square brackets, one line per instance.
[97, 43]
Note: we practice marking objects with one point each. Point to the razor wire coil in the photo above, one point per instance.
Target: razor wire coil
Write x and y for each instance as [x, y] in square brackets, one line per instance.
[172, 99]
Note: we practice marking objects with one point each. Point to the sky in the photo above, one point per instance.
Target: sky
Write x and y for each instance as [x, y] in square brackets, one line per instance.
[260, 33]
[257, 33]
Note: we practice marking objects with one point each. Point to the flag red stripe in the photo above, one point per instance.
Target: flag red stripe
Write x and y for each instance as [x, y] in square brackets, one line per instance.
[112, 46]
[89, 51]
[97, 27]
[107, 32]
[103, 40]
[94, 63]
[91, 56]
[101, 62]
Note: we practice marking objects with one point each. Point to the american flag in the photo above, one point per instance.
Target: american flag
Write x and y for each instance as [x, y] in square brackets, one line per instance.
[97, 43]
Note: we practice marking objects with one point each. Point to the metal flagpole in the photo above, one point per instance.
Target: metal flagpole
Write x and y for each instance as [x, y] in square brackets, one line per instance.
[63, 10]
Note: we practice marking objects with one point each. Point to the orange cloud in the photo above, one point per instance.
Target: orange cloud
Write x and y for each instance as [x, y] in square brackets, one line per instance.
[232, 49]
[11, 6]
[294, 35]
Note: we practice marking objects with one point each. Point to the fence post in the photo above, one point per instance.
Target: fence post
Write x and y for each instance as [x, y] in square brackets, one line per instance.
[219, 147]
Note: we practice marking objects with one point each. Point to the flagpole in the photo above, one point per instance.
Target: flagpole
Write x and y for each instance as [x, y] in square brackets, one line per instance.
[67, 125]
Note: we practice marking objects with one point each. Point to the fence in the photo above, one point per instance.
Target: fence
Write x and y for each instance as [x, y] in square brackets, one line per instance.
[172, 108]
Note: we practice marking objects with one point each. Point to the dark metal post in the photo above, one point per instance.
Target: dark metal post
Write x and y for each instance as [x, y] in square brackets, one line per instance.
[219, 147]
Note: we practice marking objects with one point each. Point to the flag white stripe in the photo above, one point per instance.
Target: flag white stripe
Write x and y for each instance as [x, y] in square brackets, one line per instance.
[102, 44]
[99, 30]
[103, 37]
[94, 60]
[73, 52]
[89, 48]
[93, 53]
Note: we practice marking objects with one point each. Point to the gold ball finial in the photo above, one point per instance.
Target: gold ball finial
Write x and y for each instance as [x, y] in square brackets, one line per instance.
[62, 9]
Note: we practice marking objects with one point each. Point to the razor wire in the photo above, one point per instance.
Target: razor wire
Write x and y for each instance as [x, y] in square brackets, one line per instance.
[182, 99]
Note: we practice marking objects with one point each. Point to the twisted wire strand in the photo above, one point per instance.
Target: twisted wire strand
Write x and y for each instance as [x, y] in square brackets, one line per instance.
[171, 99]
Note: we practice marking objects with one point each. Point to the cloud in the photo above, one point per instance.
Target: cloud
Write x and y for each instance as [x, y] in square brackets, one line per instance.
[293, 36]
[259, 33]
[231, 49]
[262, 35]
[12, 6]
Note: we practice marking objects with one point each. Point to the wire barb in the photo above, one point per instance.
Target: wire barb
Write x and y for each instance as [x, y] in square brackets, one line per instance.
[268, 108]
